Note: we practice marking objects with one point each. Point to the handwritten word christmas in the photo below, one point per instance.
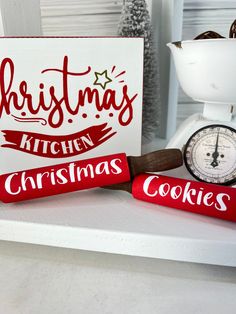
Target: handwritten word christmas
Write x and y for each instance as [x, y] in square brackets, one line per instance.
[58, 106]
[67, 177]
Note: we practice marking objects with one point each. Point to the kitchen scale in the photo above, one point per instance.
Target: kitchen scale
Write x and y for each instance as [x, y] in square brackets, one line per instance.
[206, 70]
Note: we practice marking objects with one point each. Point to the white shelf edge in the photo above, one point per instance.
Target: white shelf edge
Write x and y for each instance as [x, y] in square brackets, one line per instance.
[125, 243]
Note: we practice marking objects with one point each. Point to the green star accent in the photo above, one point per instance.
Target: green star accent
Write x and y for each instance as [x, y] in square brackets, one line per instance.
[102, 79]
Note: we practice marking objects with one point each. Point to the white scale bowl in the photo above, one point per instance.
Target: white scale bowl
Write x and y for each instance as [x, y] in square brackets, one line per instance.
[206, 69]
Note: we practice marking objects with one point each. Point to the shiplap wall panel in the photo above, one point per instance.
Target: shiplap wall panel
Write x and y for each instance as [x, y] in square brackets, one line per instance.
[80, 17]
[20, 17]
[103, 25]
[198, 21]
[209, 4]
[79, 7]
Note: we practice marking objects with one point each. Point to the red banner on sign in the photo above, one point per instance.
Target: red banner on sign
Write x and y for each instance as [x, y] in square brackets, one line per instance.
[59, 146]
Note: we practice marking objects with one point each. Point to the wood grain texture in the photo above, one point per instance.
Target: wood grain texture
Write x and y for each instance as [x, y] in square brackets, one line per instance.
[80, 18]
[160, 160]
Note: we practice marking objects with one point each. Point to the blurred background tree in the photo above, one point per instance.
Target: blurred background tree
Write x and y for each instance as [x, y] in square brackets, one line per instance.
[135, 21]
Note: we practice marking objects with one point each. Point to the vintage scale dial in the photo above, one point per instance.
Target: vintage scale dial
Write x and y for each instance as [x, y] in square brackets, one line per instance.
[210, 154]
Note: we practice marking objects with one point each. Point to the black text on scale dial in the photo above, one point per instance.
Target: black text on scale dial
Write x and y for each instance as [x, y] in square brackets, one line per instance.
[210, 154]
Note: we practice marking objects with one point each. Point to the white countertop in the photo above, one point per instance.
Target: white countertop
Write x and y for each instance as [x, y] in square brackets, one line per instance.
[45, 280]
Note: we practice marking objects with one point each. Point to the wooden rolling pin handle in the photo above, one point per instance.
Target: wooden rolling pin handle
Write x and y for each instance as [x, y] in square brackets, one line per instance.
[126, 187]
[232, 31]
[160, 160]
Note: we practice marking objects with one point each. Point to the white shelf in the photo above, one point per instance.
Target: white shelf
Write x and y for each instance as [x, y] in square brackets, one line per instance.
[114, 222]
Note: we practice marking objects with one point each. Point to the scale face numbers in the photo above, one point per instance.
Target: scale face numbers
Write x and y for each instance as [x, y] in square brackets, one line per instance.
[210, 154]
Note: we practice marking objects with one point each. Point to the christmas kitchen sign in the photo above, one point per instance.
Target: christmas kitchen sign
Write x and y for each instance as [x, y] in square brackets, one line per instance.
[63, 99]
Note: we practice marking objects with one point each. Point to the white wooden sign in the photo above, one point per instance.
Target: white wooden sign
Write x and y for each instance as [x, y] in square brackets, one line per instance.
[66, 99]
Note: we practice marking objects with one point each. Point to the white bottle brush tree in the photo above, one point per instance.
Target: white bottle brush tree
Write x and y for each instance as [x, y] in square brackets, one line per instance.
[135, 22]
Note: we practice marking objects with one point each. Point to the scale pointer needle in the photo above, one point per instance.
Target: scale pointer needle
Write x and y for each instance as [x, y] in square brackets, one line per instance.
[215, 155]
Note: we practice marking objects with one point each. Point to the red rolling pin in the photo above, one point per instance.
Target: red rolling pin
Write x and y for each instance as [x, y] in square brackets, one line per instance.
[83, 174]
[191, 196]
